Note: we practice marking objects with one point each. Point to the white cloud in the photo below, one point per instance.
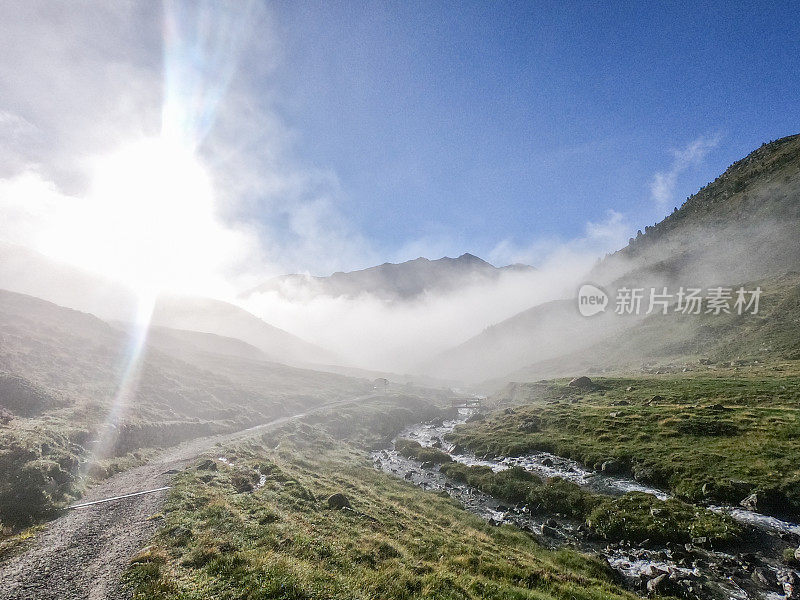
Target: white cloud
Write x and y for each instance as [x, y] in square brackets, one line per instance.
[662, 186]
[89, 81]
[597, 239]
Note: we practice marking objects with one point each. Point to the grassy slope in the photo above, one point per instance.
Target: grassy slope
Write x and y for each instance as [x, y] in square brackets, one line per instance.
[283, 541]
[769, 335]
[60, 374]
[633, 517]
[665, 430]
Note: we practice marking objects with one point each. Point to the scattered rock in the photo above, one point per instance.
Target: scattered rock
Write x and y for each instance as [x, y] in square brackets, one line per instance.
[629, 388]
[751, 502]
[763, 501]
[657, 584]
[338, 501]
[147, 554]
[653, 571]
[790, 583]
[642, 473]
[581, 382]
[611, 467]
[549, 531]
[764, 578]
[428, 464]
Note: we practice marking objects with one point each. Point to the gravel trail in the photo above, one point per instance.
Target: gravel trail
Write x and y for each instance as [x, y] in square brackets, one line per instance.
[82, 554]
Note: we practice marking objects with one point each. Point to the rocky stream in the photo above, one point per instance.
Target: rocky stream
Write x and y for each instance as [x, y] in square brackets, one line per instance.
[755, 569]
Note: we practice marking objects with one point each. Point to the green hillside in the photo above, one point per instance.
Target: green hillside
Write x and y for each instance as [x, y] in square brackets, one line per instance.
[62, 398]
[739, 230]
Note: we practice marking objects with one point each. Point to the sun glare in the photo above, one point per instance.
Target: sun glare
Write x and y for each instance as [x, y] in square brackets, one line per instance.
[155, 200]
[148, 220]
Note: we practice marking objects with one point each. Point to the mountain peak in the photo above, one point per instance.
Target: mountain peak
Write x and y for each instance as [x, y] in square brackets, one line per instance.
[392, 281]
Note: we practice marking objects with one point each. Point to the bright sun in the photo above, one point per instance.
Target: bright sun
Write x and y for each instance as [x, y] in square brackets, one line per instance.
[148, 219]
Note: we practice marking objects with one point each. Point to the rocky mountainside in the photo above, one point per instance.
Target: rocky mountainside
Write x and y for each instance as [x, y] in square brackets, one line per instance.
[741, 229]
[393, 282]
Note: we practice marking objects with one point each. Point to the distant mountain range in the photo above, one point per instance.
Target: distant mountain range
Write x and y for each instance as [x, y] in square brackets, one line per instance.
[392, 282]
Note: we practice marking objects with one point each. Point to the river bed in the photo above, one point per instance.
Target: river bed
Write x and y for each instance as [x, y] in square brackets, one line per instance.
[754, 571]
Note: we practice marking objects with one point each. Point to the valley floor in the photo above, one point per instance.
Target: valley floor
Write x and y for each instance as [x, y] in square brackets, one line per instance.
[83, 553]
[299, 513]
[299, 509]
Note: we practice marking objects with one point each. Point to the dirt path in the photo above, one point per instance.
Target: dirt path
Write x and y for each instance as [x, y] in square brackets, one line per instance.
[82, 554]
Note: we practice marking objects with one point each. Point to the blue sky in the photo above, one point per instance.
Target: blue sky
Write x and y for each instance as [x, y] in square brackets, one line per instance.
[472, 123]
[336, 136]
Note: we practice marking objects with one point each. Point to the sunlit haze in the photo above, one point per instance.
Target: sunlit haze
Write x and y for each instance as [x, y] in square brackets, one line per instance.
[399, 299]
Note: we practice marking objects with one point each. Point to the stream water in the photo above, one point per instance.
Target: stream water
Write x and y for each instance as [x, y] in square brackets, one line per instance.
[754, 570]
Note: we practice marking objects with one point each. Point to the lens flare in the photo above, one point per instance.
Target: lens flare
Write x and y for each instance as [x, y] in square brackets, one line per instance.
[149, 219]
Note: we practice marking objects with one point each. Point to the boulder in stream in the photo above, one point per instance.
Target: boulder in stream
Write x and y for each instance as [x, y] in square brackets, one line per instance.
[657, 584]
[765, 578]
[611, 467]
[790, 583]
[549, 531]
[764, 501]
